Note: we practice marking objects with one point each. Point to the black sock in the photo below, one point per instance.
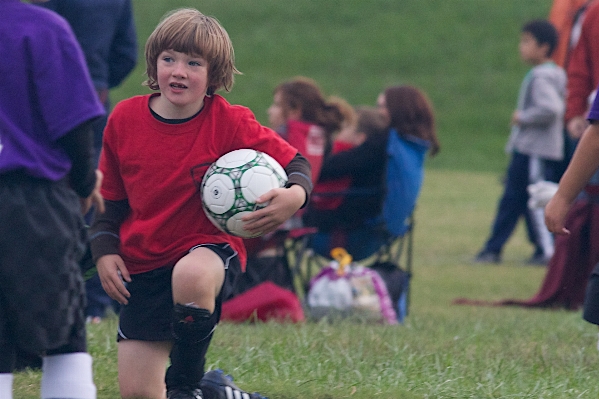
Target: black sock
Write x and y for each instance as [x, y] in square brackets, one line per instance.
[192, 330]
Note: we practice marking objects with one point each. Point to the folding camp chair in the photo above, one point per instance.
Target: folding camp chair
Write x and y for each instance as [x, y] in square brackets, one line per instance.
[394, 258]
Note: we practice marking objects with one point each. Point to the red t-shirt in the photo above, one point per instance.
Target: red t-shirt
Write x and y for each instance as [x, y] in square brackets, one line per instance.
[583, 65]
[310, 140]
[328, 195]
[158, 168]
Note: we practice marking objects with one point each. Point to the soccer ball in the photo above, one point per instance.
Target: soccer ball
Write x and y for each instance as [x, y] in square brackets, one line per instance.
[232, 184]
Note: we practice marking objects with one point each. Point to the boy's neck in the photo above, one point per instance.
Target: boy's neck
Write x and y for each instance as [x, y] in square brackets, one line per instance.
[540, 61]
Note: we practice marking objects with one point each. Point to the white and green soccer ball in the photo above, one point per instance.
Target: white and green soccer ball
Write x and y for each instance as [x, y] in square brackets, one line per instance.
[232, 184]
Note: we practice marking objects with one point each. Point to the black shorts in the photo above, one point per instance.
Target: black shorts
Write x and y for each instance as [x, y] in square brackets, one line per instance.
[148, 315]
[42, 238]
[591, 300]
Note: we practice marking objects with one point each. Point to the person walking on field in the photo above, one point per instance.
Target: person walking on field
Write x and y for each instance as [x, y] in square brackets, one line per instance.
[536, 145]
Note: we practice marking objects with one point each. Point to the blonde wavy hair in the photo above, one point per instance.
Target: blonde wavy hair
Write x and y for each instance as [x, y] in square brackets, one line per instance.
[188, 31]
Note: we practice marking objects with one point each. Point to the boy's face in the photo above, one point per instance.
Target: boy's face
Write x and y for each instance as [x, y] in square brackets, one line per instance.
[531, 51]
[183, 82]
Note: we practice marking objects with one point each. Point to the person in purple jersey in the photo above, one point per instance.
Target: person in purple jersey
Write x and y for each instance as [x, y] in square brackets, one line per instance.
[105, 29]
[47, 181]
[582, 167]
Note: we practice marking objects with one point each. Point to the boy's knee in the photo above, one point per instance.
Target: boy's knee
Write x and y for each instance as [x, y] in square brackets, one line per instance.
[197, 281]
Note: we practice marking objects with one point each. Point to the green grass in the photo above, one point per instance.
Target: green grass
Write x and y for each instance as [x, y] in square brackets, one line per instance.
[463, 53]
[442, 351]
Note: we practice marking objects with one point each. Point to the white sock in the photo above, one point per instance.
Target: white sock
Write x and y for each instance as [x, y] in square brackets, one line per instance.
[68, 376]
[6, 386]
[545, 238]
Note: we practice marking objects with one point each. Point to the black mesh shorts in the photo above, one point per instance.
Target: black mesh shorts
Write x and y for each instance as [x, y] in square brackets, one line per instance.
[590, 310]
[42, 237]
[148, 315]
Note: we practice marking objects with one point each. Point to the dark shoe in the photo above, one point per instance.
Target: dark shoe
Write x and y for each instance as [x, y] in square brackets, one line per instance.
[538, 260]
[487, 257]
[217, 385]
[184, 393]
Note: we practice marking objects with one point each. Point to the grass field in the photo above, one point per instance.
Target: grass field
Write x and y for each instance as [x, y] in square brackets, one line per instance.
[442, 351]
[463, 53]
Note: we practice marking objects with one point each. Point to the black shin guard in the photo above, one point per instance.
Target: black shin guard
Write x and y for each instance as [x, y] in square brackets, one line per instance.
[192, 331]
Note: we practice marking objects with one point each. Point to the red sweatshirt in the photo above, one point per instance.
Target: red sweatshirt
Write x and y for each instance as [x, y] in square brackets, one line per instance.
[583, 66]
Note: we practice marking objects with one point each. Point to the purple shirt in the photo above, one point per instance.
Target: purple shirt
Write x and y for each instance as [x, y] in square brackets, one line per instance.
[46, 90]
[594, 112]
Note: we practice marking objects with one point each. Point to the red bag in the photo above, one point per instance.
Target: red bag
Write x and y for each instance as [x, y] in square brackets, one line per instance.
[266, 301]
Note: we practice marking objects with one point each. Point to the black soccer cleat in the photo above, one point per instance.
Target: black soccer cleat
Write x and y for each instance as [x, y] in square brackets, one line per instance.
[217, 385]
[184, 393]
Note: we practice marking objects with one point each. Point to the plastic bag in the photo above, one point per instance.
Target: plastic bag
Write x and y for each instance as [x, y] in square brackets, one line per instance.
[346, 288]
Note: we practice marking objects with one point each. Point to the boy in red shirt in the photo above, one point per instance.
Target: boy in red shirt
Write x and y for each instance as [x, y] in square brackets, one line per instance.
[154, 234]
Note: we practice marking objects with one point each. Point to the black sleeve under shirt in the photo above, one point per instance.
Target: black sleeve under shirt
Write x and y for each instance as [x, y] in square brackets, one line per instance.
[298, 172]
[78, 144]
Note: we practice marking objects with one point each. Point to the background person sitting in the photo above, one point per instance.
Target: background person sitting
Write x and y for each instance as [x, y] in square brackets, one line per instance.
[404, 111]
[301, 114]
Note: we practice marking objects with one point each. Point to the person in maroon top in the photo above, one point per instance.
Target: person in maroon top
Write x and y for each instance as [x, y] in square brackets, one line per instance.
[154, 235]
[583, 72]
[563, 15]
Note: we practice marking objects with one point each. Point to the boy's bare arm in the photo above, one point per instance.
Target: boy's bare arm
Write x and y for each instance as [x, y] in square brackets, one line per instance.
[584, 163]
[112, 272]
